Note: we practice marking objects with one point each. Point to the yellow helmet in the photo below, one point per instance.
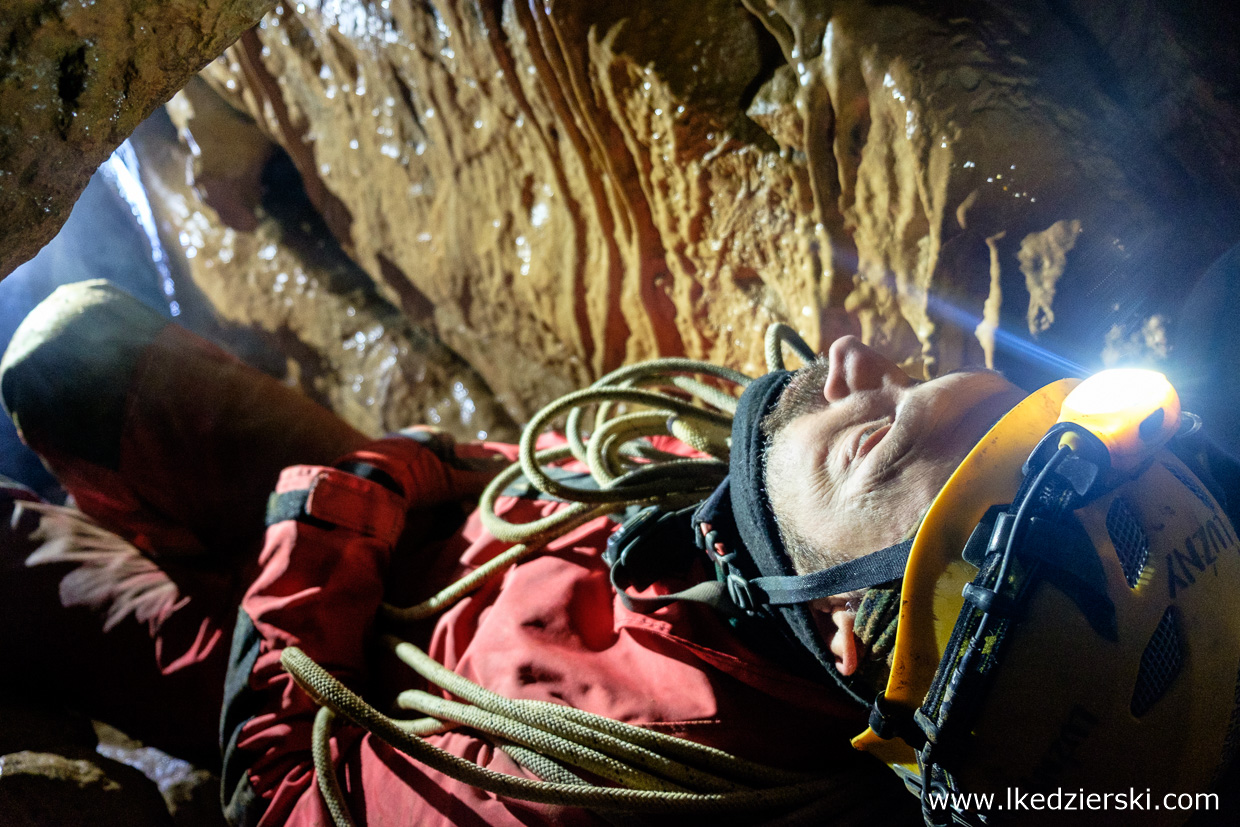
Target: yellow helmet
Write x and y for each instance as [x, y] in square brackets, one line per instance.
[1100, 676]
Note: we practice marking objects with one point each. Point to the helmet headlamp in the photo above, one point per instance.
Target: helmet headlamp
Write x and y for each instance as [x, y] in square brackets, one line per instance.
[1132, 411]
[1069, 609]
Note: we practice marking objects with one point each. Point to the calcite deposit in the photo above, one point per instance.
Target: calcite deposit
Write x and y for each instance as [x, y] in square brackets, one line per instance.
[76, 78]
[456, 210]
[578, 185]
[556, 188]
[242, 240]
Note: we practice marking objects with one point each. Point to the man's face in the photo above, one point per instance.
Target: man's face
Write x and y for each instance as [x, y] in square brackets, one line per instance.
[867, 448]
[871, 447]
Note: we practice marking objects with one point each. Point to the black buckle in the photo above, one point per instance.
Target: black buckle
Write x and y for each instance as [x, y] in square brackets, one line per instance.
[706, 540]
[649, 546]
[1086, 469]
[889, 721]
[623, 539]
[739, 593]
[988, 601]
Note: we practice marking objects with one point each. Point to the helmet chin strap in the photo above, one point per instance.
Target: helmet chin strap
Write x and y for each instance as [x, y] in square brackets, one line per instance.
[859, 573]
[734, 594]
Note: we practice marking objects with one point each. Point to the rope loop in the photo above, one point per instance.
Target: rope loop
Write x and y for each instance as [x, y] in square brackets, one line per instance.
[778, 335]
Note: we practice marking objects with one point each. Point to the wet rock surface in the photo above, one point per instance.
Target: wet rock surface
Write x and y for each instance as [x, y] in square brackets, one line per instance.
[43, 789]
[539, 180]
[51, 774]
[554, 190]
[76, 78]
[191, 794]
[259, 273]
[589, 184]
[455, 211]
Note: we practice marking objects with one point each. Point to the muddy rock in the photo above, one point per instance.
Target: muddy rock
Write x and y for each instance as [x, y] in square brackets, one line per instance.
[191, 794]
[990, 194]
[93, 774]
[41, 789]
[569, 191]
[553, 191]
[76, 78]
[585, 184]
[277, 289]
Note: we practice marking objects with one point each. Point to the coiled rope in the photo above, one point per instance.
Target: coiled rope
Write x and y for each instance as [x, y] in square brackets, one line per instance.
[654, 772]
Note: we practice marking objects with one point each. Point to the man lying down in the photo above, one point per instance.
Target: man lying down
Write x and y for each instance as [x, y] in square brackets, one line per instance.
[687, 608]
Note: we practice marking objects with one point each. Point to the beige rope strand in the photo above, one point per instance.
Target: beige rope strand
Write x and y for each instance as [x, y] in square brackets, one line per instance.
[611, 744]
[604, 451]
[714, 760]
[627, 474]
[544, 483]
[538, 533]
[671, 365]
[562, 749]
[705, 438]
[654, 372]
[721, 399]
[542, 766]
[325, 768]
[708, 758]
[424, 727]
[776, 336]
[655, 482]
[717, 397]
[549, 770]
[328, 691]
[573, 517]
[500, 528]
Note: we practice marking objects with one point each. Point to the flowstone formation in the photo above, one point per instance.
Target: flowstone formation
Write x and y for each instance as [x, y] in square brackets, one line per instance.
[556, 188]
[243, 240]
[461, 209]
[571, 185]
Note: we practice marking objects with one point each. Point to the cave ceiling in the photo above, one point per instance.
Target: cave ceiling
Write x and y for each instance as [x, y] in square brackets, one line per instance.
[549, 190]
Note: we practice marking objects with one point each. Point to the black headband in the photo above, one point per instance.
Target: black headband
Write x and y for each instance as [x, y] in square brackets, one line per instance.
[751, 507]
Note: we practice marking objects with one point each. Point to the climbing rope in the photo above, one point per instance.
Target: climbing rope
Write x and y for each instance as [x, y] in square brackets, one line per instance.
[653, 772]
[324, 768]
[330, 692]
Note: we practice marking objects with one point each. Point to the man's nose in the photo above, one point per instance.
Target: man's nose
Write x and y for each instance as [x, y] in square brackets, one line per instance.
[855, 367]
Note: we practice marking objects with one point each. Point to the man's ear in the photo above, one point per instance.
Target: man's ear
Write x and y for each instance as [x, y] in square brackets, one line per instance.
[843, 643]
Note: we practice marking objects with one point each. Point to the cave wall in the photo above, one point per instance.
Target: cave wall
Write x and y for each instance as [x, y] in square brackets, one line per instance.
[455, 210]
[588, 184]
[76, 78]
[271, 284]
[553, 189]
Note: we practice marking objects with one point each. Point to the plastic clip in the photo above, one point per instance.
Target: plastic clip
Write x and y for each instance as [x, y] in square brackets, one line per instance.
[741, 594]
[987, 601]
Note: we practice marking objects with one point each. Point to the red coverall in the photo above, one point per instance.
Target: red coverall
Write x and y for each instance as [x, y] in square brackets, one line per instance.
[202, 439]
[550, 628]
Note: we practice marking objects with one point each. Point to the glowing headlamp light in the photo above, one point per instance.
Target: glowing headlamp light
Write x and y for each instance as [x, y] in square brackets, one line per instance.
[1132, 411]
